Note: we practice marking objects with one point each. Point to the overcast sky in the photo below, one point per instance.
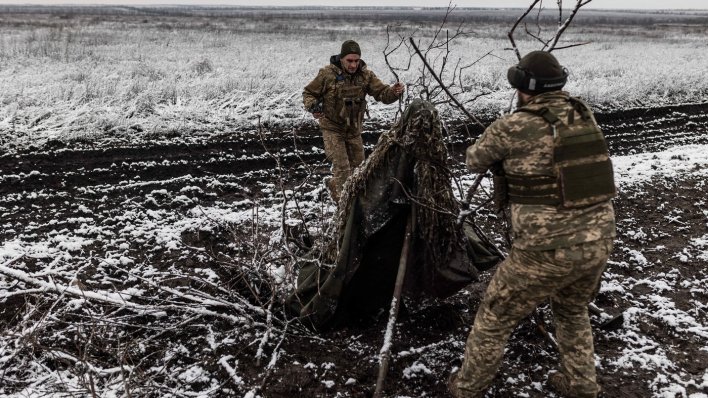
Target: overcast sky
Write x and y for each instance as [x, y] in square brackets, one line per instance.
[633, 4]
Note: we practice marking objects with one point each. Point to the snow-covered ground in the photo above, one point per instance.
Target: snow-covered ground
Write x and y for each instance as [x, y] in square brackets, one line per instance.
[80, 257]
[83, 79]
[121, 276]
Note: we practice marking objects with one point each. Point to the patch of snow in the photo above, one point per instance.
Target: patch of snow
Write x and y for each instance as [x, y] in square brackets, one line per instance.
[415, 370]
[193, 374]
[634, 169]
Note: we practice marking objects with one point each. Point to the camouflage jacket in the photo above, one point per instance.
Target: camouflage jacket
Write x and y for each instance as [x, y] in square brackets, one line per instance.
[344, 95]
[523, 143]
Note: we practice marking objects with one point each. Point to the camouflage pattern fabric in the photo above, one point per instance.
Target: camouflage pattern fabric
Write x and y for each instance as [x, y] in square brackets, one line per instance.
[557, 253]
[523, 144]
[344, 106]
[570, 277]
[345, 153]
[344, 95]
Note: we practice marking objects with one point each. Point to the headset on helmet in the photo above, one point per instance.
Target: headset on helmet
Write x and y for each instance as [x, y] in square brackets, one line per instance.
[524, 80]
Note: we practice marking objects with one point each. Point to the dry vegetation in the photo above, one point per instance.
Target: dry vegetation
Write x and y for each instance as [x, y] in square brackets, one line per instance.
[97, 73]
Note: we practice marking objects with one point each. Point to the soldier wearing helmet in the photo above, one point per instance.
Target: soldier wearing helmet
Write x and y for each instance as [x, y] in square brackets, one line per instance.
[337, 99]
[558, 182]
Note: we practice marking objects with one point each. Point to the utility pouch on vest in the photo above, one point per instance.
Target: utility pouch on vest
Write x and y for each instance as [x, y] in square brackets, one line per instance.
[353, 104]
[586, 184]
[584, 174]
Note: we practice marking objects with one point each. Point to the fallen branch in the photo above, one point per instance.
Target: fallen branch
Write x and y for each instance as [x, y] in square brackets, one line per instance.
[224, 362]
[205, 299]
[105, 297]
[468, 199]
[95, 369]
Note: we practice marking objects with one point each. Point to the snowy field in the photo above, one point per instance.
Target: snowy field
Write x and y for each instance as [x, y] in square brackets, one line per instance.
[145, 216]
[89, 77]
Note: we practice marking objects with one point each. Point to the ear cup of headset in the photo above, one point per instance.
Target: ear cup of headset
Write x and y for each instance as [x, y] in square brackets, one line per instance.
[517, 77]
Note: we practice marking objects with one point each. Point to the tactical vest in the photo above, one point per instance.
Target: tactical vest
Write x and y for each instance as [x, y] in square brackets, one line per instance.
[581, 163]
[350, 100]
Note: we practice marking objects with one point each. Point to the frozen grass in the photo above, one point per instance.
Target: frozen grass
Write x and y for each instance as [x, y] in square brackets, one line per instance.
[90, 78]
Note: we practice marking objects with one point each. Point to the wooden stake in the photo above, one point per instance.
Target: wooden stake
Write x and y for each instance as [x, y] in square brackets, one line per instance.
[385, 355]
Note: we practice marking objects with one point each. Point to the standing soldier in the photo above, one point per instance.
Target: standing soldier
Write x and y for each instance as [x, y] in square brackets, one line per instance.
[559, 183]
[337, 99]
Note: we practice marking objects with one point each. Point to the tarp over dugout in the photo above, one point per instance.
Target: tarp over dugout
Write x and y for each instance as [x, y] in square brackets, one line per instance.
[405, 175]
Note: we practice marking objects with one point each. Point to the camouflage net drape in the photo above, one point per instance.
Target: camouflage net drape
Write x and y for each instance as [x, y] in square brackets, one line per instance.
[406, 175]
[419, 133]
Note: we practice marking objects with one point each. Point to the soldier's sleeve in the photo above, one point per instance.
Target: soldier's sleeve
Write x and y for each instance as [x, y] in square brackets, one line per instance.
[491, 147]
[379, 90]
[314, 90]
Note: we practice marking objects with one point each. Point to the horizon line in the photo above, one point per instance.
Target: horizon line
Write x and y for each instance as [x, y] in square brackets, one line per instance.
[325, 6]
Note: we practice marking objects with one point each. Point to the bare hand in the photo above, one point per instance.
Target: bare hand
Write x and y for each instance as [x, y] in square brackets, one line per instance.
[398, 88]
[317, 115]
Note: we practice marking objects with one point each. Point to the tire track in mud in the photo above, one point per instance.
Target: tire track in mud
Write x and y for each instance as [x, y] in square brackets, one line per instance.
[237, 167]
[640, 130]
[627, 132]
[655, 129]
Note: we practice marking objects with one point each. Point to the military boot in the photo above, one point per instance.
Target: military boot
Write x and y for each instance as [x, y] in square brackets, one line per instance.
[560, 384]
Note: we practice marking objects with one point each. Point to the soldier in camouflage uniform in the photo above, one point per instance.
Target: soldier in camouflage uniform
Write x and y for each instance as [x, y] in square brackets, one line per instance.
[337, 99]
[559, 183]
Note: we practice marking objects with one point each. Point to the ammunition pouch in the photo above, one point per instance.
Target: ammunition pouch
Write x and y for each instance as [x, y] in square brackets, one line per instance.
[581, 162]
[353, 105]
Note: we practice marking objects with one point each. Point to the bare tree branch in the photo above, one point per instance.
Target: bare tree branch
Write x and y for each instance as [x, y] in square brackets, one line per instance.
[454, 100]
[573, 45]
[536, 36]
[387, 52]
[552, 43]
[516, 24]
[562, 28]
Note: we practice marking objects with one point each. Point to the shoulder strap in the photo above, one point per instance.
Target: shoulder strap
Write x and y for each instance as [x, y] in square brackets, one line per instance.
[544, 112]
[581, 107]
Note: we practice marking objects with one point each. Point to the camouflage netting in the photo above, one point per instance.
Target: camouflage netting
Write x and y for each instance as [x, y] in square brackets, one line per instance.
[419, 134]
[406, 175]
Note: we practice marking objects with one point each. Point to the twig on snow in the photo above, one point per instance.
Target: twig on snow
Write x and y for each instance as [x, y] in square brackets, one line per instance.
[106, 298]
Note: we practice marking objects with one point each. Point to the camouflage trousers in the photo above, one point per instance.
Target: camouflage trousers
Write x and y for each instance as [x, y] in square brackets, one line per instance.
[570, 277]
[346, 152]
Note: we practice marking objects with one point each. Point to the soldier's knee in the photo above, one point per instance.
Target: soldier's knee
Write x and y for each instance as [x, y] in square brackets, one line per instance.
[569, 312]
